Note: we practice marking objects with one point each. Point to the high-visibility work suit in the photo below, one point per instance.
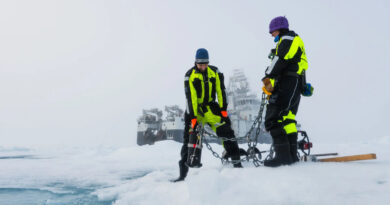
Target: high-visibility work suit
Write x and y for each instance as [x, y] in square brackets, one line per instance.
[202, 89]
[285, 74]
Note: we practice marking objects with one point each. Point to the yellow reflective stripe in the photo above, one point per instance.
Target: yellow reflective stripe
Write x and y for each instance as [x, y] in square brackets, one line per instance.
[277, 47]
[303, 65]
[272, 82]
[300, 70]
[293, 48]
[297, 43]
[203, 91]
[194, 96]
[289, 116]
[290, 128]
[280, 41]
[217, 89]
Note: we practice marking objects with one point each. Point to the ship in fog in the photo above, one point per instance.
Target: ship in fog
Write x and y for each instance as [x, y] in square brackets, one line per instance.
[243, 107]
[152, 128]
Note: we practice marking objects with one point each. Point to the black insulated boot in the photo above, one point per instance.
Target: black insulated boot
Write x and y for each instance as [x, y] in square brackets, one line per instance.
[235, 157]
[293, 138]
[226, 156]
[233, 151]
[183, 172]
[282, 156]
[235, 160]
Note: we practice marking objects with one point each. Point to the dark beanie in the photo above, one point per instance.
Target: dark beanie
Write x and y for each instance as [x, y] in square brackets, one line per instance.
[202, 56]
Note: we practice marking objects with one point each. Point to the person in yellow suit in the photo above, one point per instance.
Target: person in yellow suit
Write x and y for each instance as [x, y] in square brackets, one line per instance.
[204, 86]
[284, 83]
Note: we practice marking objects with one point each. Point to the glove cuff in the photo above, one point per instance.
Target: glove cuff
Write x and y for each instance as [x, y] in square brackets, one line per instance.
[266, 91]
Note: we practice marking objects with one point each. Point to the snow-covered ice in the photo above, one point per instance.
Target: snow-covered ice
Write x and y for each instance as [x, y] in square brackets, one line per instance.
[140, 175]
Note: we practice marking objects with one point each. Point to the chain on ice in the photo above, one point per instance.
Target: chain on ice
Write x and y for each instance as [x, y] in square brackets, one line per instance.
[251, 143]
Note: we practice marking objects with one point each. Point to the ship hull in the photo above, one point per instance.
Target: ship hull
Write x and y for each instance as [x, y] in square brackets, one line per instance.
[176, 135]
[150, 136]
[144, 138]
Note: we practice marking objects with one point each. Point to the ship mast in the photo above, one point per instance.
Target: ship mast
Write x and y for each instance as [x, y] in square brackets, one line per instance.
[238, 88]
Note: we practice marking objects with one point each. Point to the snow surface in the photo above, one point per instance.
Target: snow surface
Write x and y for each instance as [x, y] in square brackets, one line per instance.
[140, 175]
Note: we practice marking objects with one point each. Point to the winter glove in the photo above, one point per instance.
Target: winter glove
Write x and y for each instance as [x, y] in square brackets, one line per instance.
[193, 123]
[266, 92]
[272, 54]
[225, 117]
[308, 90]
[193, 126]
[268, 85]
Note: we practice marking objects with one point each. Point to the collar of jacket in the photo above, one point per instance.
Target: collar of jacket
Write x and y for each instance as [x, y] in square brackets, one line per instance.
[288, 33]
[283, 32]
[197, 70]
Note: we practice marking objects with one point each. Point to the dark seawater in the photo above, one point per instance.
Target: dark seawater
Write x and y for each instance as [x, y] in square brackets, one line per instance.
[69, 194]
[65, 194]
[20, 196]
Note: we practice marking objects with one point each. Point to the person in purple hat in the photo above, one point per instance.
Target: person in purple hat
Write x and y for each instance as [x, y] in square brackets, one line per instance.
[284, 81]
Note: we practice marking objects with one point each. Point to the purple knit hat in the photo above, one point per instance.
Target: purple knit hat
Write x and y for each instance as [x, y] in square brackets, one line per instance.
[277, 23]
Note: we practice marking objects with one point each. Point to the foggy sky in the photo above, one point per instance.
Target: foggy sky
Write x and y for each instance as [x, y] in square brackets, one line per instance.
[79, 72]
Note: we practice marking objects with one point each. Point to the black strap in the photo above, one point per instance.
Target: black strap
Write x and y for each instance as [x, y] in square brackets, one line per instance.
[206, 87]
[292, 74]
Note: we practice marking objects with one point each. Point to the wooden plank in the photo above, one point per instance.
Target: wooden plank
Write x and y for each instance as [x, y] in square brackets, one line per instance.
[349, 158]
